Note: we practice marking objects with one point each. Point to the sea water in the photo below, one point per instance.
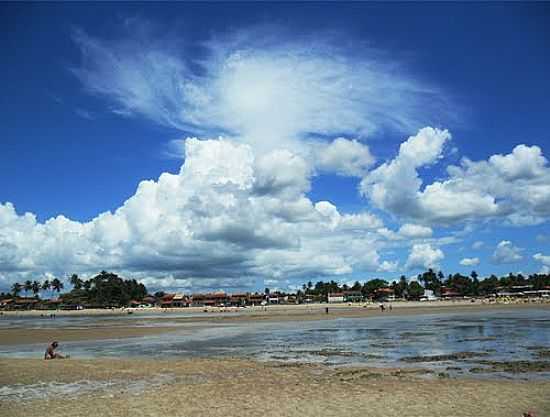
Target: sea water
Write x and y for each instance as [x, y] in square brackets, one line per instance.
[391, 340]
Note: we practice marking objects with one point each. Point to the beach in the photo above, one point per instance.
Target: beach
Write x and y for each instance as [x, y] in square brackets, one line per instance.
[236, 387]
[165, 366]
[197, 317]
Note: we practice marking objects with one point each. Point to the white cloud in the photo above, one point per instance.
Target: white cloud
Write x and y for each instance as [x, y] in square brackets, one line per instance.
[469, 261]
[506, 253]
[262, 84]
[423, 255]
[394, 185]
[225, 219]
[344, 157]
[523, 163]
[514, 187]
[478, 244]
[545, 261]
[409, 230]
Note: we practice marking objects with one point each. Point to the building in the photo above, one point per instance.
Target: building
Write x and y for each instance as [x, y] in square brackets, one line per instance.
[256, 299]
[449, 293]
[220, 299]
[384, 294]
[353, 296]
[238, 299]
[335, 297]
[428, 296]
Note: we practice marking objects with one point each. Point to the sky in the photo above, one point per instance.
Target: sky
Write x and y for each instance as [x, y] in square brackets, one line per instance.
[237, 146]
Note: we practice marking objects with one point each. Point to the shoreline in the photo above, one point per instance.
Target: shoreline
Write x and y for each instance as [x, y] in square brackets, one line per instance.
[221, 387]
[273, 308]
[152, 324]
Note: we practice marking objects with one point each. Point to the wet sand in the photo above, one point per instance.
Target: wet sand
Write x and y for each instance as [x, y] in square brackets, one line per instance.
[152, 320]
[22, 336]
[232, 387]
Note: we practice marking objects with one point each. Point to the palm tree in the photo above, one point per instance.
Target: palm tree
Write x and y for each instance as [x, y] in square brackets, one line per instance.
[16, 289]
[57, 285]
[75, 282]
[46, 286]
[27, 286]
[35, 288]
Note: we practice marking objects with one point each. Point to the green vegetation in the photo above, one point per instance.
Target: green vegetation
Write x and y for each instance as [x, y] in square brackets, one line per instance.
[109, 290]
[458, 284]
[104, 290]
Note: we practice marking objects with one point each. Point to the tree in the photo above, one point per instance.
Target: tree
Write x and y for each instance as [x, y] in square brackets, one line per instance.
[27, 286]
[16, 289]
[459, 283]
[430, 281]
[370, 287]
[474, 286]
[75, 281]
[108, 289]
[400, 288]
[415, 290]
[57, 285]
[35, 288]
[46, 286]
[489, 285]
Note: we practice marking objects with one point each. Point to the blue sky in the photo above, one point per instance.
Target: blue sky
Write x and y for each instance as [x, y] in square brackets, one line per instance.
[88, 112]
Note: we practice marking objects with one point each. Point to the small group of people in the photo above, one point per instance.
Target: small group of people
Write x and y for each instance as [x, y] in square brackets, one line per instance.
[52, 354]
[383, 307]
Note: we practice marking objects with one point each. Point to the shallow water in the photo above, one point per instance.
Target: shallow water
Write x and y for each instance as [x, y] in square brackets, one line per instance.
[387, 341]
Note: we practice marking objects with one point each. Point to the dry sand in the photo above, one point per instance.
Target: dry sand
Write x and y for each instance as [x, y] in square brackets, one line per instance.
[234, 387]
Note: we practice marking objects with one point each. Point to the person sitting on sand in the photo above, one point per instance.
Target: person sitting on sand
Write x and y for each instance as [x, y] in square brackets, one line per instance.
[52, 354]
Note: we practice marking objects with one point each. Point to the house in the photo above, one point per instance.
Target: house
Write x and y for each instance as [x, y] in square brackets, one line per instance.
[335, 297]
[210, 299]
[238, 299]
[514, 291]
[428, 296]
[149, 301]
[256, 299]
[384, 294]
[449, 293]
[166, 300]
[6, 303]
[353, 296]
[179, 300]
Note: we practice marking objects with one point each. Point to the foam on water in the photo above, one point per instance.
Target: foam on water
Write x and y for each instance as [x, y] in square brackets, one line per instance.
[44, 390]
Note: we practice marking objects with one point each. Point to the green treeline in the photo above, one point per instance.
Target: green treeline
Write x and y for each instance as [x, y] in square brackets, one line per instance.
[461, 284]
[104, 290]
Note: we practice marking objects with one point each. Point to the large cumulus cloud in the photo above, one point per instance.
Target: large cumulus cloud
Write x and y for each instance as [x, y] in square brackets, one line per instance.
[514, 187]
[227, 215]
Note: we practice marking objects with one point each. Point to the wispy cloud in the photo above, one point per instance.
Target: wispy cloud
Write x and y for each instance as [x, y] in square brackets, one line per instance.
[260, 84]
[85, 114]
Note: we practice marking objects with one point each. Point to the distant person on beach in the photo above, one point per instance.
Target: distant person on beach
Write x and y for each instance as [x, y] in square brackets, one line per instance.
[52, 354]
[382, 308]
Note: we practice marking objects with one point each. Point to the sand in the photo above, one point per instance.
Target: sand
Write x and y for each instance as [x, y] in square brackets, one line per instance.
[20, 336]
[235, 387]
[152, 322]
